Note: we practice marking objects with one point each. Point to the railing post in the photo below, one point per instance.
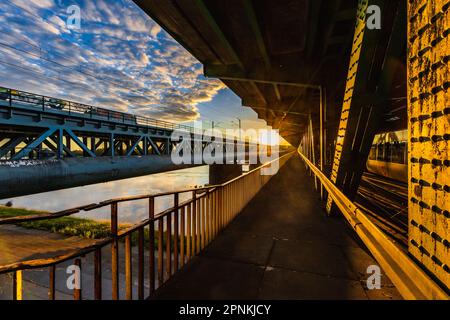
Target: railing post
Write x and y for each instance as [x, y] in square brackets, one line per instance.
[168, 245]
[151, 245]
[203, 221]
[225, 206]
[141, 264]
[182, 237]
[216, 212]
[114, 253]
[220, 211]
[208, 216]
[77, 291]
[175, 232]
[51, 284]
[189, 232]
[98, 274]
[198, 213]
[194, 223]
[227, 193]
[17, 285]
[160, 251]
[128, 269]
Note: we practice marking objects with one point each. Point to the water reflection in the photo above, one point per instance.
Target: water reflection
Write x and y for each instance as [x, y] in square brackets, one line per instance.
[129, 212]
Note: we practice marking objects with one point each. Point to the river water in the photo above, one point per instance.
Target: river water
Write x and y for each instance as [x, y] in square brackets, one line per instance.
[130, 212]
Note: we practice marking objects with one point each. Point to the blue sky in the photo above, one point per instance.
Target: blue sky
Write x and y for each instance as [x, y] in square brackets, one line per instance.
[119, 59]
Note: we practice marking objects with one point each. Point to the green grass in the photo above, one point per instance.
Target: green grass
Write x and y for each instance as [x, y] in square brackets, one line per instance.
[69, 226]
[9, 212]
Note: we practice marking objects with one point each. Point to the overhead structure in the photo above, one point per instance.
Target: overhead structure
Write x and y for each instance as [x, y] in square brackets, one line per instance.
[278, 55]
[281, 57]
[272, 54]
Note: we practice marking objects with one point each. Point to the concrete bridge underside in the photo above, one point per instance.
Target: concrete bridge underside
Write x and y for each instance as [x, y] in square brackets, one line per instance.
[282, 246]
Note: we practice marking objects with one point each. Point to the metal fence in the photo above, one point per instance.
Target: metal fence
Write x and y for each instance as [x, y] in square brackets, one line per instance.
[175, 235]
[409, 279]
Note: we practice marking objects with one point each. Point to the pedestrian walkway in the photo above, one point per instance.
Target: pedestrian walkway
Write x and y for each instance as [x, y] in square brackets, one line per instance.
[282, 246]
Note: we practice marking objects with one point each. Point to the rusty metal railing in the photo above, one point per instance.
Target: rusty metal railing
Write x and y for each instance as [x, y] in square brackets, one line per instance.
[175, 235]
[409, 279]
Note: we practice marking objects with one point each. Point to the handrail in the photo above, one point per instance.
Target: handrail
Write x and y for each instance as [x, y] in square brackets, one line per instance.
[93, 206]
[411, 281]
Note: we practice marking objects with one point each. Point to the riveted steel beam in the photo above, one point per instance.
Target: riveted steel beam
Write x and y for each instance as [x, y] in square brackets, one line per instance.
[79, 143]
[134, 146]
[11, 144]
[428, 65]
[365, 94]
[32, 145]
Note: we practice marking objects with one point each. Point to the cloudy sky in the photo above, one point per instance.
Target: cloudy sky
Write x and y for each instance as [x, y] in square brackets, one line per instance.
[118, 58]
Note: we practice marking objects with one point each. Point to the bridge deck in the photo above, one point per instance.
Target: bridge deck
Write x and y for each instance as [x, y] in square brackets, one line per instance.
[282, 246]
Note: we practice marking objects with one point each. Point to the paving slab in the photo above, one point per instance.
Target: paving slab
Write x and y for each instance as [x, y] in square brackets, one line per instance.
[241, 247]
[294, 285]
[312, 257]
[211, 278]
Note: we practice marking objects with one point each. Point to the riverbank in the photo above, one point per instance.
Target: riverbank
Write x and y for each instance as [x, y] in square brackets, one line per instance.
[72, 226]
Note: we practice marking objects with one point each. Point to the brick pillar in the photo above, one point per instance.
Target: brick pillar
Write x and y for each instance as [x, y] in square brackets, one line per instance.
[429, 129]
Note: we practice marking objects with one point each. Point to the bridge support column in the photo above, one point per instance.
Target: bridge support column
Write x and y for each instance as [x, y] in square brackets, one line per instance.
[85, 141]
[428, 132]
[112, 145]
[93, 145]
[60, 145]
